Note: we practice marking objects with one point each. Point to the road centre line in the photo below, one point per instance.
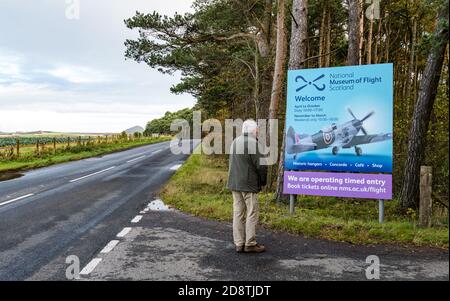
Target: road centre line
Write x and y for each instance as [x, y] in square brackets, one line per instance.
[140, 154]
[17, 199]
[92, 174]
[135, 159]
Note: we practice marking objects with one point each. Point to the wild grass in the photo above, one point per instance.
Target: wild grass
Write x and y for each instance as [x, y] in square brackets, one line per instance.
[31, 160]
[199, 188]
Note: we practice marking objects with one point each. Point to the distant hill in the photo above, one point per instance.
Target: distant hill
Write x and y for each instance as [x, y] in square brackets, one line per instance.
[34, 133]
[134, 129]
[50, 134]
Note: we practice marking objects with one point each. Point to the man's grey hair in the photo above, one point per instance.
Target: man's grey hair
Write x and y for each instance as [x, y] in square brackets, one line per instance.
[249, 126]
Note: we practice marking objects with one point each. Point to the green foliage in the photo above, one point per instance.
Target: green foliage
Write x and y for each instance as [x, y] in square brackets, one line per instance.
[213, 47]
[199, 187]
[218, 50]
[162, 125]
[123, 135]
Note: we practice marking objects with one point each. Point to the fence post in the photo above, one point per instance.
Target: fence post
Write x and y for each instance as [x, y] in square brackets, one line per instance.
[54, 145]
[18, 147]
[37, 146]
[426, 203]
[68, 142]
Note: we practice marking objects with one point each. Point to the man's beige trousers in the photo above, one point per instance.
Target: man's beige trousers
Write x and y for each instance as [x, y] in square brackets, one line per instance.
[244, 227]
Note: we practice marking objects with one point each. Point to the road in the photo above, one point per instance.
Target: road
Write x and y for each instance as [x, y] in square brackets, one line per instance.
[74, 208]
[171, 245]
[101, 210]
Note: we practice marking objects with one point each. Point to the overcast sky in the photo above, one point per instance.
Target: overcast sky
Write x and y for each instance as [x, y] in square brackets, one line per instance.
[60, 73]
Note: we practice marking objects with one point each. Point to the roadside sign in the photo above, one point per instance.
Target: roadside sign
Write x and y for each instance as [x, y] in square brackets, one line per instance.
[340, 119]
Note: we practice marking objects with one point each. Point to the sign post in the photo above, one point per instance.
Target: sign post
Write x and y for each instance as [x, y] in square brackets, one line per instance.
[291, 204]
[339, 124]
[380, 211]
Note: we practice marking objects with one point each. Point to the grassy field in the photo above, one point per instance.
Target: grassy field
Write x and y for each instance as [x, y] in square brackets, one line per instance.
[199, 188]
[29, 159]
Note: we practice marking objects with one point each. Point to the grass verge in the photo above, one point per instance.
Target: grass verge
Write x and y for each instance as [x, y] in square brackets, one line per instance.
[199, 188]
[72, 154]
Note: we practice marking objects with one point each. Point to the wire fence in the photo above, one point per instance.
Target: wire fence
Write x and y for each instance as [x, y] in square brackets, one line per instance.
[20, 147]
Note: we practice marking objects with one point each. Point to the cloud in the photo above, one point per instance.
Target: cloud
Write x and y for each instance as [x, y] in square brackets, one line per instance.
[80, 75]
[10, 66]
[60, 74]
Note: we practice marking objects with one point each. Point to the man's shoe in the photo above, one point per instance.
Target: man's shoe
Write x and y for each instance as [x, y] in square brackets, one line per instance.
[254, 249]
[240, 249]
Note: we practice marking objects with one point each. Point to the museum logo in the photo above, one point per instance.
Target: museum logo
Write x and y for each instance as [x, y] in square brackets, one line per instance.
[316, 83]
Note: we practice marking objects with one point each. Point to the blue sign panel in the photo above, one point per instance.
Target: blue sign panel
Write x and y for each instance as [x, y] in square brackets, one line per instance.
[340, 119]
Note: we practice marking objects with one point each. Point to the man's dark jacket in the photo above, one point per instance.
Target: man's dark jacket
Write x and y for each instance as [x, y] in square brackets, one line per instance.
[246, 173]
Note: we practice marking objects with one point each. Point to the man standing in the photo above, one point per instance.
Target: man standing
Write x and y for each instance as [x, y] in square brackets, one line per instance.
[246, 175]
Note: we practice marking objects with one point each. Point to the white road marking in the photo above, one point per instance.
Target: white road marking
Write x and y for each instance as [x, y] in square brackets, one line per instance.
[135, 159]
[140, 154]
[124, 232]
[92, 174]
[90, 266]
[17, 199]
[175, 167]
[136, 219]
[144, 211]
[108, 248]
[156, 151]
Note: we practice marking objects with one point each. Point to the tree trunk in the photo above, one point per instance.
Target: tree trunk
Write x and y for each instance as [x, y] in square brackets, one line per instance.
[369, 37]
[377, 42]
[299, 35]
[387, 24]
[361, 33]
[354, 36]
[328, 37]
[409, 196]
[409, 85]
[280, 58]
[256, 89]
[322, 38]
[267, 22]
[297, 57]
[266, 70]
[279, 72]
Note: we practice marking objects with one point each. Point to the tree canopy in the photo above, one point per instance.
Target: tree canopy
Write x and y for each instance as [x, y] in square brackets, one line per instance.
[226, 51]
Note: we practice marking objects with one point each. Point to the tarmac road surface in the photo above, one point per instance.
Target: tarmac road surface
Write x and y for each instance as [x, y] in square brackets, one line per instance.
[102, 211]
[74, 208]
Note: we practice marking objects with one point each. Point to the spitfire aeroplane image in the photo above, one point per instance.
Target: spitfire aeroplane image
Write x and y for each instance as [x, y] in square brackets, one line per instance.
[335, 136]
